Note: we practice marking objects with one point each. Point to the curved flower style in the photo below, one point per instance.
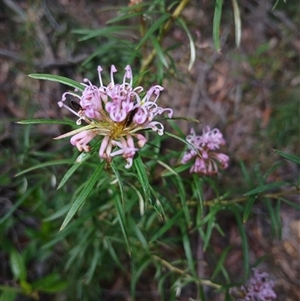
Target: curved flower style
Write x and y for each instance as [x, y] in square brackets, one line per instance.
[203, 149]
[258, 288]
[118, 112]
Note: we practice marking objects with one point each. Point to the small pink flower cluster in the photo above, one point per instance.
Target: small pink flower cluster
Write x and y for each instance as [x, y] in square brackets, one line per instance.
[258, 288]
[203, 149]
[118, 112]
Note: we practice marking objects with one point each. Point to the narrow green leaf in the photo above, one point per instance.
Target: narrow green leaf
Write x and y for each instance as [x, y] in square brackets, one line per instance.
[50, 163]
[289, 157]
[67, 175]
[167, 225]
[278, 218]
[182, 195]
[126, 16]
[244, 239]
[272, 214]
[187, 249]
[237, 22]
[136, 274]
[211, 215]
[192, 44]
[60, 79]
[113, 254]
[93, 264]
[103, 50]
[158, 23]
[135, 228]
[208, 233]
[176, 171]
[51, 283]
[17, 265]
[197, 191]
[122, 221]
[105, 31]
[83, 195]
[264, 188]
[21, 199]
[216, 24]
[46, 121]
[57, 214]
[113, 167]
[159, 51]
[142, 176]
[292, 204]
[220, 263]
[248, 208]
[180, 139]
[245, 173]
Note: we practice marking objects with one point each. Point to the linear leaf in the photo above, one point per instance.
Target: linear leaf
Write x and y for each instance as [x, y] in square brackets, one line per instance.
[49, 163]
[159, 51]
[68, 174]
[60, 79]
[122, 221]
[152, 29]
[248, 208]
[219, 265]
[187, 248]
[126, 16]
[142, 176]
[136, 275]
[272, 214]
[182, 195]
[46, 121]
[216, 24]
[17, 265]
[245, 173]
[113, 167]
[167, 225]
[292, 204]
[244, 238]
[105, 31]
[208, 233]
[82, 196]
[263, 188]
[237, 22]
[192, 44]
[289, 157]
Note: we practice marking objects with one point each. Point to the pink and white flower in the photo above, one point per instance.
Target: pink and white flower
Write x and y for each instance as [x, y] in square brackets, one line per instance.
[203, 149]
[118, 112]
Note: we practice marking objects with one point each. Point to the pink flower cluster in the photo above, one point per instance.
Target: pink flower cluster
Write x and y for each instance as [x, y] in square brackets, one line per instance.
[258, 288]
[203, 150]
[118, 112]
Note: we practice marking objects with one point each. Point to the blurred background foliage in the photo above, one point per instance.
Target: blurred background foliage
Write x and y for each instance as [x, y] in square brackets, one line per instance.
[205, 233]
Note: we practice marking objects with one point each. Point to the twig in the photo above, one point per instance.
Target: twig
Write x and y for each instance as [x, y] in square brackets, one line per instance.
[172, 268]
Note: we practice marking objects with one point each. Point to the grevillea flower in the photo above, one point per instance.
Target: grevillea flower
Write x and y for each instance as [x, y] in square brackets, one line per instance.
[203, 150]
[118, 113]
[258, 288]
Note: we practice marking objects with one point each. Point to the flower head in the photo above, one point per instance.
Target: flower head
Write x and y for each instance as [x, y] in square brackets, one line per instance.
[118, 112]
[203, 150]
[258, 288]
